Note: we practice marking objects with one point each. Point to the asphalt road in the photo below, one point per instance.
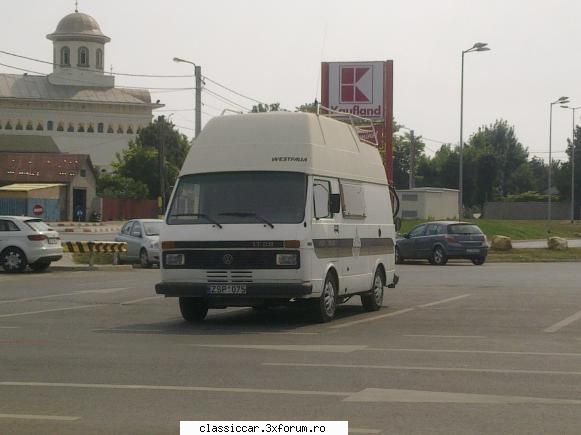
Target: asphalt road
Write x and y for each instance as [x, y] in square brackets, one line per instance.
[456, 349]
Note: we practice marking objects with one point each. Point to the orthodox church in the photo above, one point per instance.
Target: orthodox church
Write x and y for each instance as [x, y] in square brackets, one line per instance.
[76, 109]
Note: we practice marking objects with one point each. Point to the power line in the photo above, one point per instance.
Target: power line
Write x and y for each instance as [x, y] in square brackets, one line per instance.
[233, 91]
[224, 99]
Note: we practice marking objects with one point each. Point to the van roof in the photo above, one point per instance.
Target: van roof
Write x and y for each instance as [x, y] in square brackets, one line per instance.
[284, 141]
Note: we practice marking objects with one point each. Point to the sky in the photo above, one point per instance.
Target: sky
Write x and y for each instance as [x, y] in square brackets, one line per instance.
[271, 51]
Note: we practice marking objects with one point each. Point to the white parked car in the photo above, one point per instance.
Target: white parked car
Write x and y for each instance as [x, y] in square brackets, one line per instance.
[27, 241]
[142, 238]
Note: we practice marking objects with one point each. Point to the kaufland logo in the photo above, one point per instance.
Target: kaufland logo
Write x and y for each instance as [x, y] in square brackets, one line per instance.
[356, 84]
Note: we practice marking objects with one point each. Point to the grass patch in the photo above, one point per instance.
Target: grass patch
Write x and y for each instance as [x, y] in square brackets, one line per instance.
[99, 258]
[533, 255]
[517, 229]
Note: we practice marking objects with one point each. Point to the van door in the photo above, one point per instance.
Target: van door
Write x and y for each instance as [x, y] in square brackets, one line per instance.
[327, 242]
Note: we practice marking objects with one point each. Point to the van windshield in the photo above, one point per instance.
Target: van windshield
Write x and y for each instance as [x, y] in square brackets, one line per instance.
[239, 198]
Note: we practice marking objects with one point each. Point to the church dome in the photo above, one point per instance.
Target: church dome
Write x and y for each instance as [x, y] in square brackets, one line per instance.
[78, 26]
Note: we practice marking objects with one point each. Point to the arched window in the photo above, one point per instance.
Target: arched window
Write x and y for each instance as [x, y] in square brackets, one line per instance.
[83, 56]
[65, 56]
[110, 129]
[19, 125]
[49, 125]
[99, 58]
[100, 127]
[8, 126]
[90, 129]
[60, 127]
[71, 128]
[81, 128]
[39, 127]
[130, 130]
[119, 129]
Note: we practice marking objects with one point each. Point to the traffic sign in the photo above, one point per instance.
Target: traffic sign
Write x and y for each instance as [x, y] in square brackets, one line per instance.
[37, 210]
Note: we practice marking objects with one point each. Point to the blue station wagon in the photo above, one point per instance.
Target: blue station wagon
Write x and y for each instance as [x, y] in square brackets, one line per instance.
[439, 241]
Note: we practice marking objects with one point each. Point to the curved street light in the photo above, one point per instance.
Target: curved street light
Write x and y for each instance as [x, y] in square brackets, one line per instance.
[198, 103]
[561, 101]
[478, 46]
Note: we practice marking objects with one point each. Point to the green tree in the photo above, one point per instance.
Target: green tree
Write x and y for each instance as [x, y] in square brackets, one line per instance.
[117, 186]
[402, 145]
[307, 107]
[259, 108]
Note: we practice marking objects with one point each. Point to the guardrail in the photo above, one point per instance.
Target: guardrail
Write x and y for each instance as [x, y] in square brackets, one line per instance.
[92, 248]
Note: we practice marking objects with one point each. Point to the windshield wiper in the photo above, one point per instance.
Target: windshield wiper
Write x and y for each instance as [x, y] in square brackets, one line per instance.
[248, 214]
[202, 215]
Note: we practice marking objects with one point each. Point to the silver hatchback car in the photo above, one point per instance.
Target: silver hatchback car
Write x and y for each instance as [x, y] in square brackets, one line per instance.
[142, 238]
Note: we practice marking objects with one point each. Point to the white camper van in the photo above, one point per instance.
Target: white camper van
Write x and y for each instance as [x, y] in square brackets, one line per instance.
[276, 208]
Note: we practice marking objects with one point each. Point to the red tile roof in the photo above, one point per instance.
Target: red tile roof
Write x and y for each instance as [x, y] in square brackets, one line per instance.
[41, 167]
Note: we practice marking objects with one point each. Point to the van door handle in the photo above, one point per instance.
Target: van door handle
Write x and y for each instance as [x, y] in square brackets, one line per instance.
[379, 232]
[336, 228]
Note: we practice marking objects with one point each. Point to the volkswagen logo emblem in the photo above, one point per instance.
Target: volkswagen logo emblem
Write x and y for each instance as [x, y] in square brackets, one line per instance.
[228, 259]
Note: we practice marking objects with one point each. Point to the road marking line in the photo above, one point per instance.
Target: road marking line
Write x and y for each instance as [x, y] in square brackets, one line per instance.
[371, 319]
[9, 327]
[284, 347]
[486, 352]
[135, 301]
[564, 322]
[39, 417]
[434, 369]
[127, 330]
[415, 396]
[107, 290]
[176, 388]
[47, 311]
[443, 336]
[443, 301]
[284, 333]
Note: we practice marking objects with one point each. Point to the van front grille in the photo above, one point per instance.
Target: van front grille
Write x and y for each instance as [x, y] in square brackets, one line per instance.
[229, 276]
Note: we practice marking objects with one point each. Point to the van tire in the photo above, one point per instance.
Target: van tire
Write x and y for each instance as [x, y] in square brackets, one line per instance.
[325, 307]
[373, 300]
[193, 310]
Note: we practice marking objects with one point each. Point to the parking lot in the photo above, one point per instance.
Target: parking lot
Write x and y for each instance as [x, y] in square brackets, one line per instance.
[456, 349]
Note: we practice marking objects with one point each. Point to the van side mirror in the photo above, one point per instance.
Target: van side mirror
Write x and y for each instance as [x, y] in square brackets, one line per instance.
[397, 223]
[335, 202]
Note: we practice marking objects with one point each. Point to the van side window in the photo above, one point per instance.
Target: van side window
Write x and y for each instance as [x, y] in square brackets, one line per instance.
[353, 199]
[321, 198]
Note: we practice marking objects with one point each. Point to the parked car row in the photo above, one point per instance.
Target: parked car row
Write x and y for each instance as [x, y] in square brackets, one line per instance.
[442, 240]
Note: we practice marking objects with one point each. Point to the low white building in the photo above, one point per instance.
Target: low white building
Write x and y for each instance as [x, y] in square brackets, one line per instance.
[77, 105]
[428, 203]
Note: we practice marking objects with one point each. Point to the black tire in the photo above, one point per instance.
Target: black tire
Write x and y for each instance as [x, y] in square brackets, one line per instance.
[193, 310]
[40, 266]
[325, 307]
[373, 300]
[398, 258]
[478, 261]
[13, 260]
[439, 257]
[144, 259]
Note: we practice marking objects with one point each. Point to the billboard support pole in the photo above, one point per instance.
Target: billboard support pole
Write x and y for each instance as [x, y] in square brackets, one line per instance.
[388, 120]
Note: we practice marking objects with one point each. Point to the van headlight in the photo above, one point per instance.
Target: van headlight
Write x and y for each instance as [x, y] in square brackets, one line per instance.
[174, 259]
[286, 259]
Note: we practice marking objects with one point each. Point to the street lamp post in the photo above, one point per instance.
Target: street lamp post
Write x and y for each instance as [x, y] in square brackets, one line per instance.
[562, 100]
[479, 46]
[198, 105]
[572, 163]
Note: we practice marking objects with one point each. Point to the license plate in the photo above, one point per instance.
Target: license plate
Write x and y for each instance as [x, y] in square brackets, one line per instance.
[473, 251]
[227, 289]
[53, 241]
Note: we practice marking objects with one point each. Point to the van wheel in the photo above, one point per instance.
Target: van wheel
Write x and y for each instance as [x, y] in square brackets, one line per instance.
[373, 300]
[478, 261]
[193, 310]
[13, 260]
[324, 308]
[439, 257]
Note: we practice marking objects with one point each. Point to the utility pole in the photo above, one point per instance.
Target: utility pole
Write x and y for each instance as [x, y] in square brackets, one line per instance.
[412, 182]
[198, 72]
[161, 157]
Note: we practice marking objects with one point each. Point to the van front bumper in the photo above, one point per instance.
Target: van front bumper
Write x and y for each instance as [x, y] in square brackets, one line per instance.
[253, 290]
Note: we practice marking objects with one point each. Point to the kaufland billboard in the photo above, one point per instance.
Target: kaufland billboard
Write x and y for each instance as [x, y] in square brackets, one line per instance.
[357, 88]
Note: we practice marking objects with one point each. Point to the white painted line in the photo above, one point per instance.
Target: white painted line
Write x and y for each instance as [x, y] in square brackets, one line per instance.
[443, 301]
[428, 369]
[485, 352]
[39, 417]
[80, 307]
[294, 348]
[443, 336]
[564, 322]
[127, 330]
[287, 333]
[414, 396]
[176, 388]
[371, 319]
[136, 301]
[9, 327]
[105, 290]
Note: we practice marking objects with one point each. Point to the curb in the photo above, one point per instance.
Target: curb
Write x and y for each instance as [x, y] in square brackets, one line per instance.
[87, 268]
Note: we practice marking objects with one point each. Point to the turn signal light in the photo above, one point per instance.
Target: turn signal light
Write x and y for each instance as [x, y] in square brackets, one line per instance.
[292, 244]
[168, 245]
